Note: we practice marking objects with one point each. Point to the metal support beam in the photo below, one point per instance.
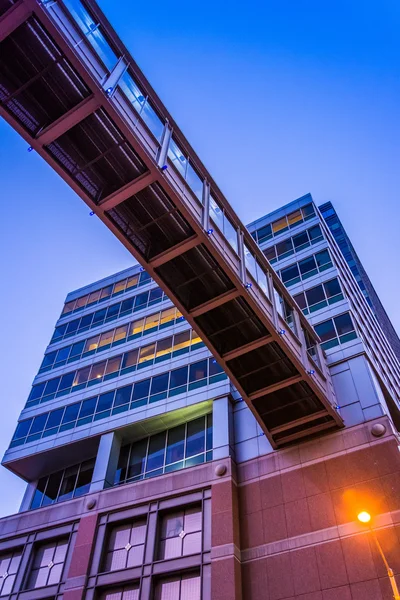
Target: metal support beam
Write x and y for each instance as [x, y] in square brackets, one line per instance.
[129, 190]
[168, 255]
[111, 82]
[248, 348]
[206, 206]
[276, 386]
[214, 303]
[302, 421]
[162, 156]
[13, 18]
[67, 121]
[242, 266]
[294, 437]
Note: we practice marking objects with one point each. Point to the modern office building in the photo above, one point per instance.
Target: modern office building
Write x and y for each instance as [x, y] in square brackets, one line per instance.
[188, 436]
[356, 267]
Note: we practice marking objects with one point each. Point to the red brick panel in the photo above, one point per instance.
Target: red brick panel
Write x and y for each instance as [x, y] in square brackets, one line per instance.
[83, 547]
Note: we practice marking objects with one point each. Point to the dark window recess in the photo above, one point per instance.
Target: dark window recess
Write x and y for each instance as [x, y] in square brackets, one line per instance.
[38, 84]
[97, 156]
[151, 222]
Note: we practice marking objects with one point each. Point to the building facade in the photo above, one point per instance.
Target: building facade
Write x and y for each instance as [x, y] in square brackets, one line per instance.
[343, 241]
[151, 474]
[149, 477]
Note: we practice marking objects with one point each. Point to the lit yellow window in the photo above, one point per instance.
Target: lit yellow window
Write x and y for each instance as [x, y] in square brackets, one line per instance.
[295, 217]
[68, 306]
[164, 346]
[136, 327]
[147, 353]
[196, 339]
[121, 333]
[119, 286]
[106, 338]
[152, 321]
[279, 225]
[94, 296]
[81, 301]
[113, 365]
[92, 343]
[168, 315]
[182, 340]
[81, 376]
[132, 281]
[97, 370]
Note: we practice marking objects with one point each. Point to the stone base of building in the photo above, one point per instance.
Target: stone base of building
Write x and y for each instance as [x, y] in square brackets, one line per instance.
[279, 527]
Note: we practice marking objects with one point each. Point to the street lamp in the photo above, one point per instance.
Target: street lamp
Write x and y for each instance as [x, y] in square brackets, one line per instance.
[365, 518]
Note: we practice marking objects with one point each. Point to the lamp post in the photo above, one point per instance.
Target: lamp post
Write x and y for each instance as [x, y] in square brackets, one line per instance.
[365, 517]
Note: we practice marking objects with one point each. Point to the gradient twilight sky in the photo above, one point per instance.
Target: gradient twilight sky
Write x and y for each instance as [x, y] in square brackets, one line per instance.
[277, 98]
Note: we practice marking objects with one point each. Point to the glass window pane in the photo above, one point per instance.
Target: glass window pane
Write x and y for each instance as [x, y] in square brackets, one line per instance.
[284, 248]
[194, 181]
[279, 225]
[300, 241]
[99, 316]
[152, 121]
[52, 489]
[230, 233]
[123, 395]
[176, 444]
[22, 429]
[94, 297]
[216, 214]
[307, 265]
[81, 302]
[97, 370]
[141, 389]
[155, 457]
[290, 273]
[38, 423]
[264, 233]
[132, 281]
[190, 587]
[270, 253]
[315, 295]
[137, 459]
[66, 381]
[155, 295]
[71, 412]
[147, 353]
[68, 483]
[84, 478]
[332, 288]
[92, 343]
[113, 310]
[301, 300]
[51, 386]
[106, 338]
[120, 333]
[344, 324]
[87, 408]
[198, 371]
[315, 233]
[325, 330]
[250, 262]
[322, 258]
[164, 347]
[195, 437]
[106, 292]
[294, 218]
[68, 307]
[167, 315]
[105, 401]
[54, 418]
[308, 211]
[182, 340]
[127, 306]
[136, 327]
[130, 358]
[152, 321]
[77, 349]
[113, 365]
[119, 286]
[159, 383]
[82, 376]
[178, 377]
[177, 158]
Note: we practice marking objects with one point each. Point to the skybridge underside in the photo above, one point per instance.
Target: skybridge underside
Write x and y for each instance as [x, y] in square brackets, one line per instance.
[85, 133]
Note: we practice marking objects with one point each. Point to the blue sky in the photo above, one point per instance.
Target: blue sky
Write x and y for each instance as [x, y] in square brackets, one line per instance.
[278, 99]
